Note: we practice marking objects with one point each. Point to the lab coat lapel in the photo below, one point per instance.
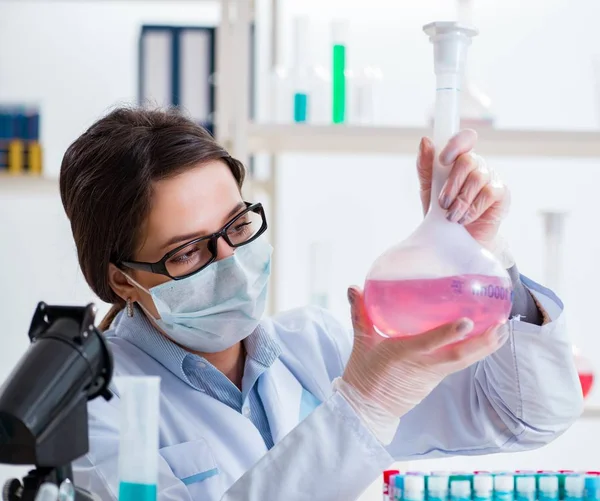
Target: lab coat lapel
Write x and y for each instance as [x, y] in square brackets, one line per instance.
[281, 395]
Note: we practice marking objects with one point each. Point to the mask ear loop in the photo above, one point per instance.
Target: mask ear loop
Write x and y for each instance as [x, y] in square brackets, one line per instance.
[134, 283]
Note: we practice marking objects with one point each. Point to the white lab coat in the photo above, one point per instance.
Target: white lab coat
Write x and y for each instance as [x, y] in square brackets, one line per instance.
[520, 398]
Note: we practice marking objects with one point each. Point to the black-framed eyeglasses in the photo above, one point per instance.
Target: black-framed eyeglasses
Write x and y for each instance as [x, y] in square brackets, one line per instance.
[194, 256]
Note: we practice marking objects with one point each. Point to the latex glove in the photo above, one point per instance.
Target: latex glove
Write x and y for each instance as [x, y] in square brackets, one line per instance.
[387, 377]
[473, 195]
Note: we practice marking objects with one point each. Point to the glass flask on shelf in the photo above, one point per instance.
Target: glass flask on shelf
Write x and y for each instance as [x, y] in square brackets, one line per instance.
[364, 85]
[585, 371]
[296, 96]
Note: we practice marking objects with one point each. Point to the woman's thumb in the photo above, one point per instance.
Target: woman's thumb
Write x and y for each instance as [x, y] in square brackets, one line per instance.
[425, 171]
[360, 319]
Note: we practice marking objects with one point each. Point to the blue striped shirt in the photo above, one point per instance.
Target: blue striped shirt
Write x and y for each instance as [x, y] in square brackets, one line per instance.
[261, 352]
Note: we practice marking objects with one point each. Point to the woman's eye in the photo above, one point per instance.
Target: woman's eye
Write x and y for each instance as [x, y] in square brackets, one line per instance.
[186, 256]
[242, 228]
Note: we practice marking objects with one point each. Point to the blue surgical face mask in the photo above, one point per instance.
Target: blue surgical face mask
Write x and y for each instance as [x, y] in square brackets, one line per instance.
[218, 306]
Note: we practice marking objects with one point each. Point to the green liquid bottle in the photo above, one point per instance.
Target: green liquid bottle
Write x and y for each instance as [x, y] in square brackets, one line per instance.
[339, 73]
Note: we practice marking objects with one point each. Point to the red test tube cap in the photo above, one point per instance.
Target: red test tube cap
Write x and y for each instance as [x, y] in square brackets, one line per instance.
[388, 473]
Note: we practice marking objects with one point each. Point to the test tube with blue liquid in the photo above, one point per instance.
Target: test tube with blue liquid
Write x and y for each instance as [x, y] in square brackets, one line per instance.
[591, 490]
[138, 446]
[574, 485]
[414, 487]
[525, 488]
[483, 487]
[460, 490]
[437, 487]
[547, 487]
[504, 485]
[301, 70]
[398, 490]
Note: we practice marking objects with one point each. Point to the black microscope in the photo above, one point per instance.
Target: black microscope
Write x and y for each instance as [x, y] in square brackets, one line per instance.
[43, 403]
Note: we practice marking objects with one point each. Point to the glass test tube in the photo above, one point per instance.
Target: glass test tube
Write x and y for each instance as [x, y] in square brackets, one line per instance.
[138, 446]
[339, 38]
[363, 86]
[302, 69]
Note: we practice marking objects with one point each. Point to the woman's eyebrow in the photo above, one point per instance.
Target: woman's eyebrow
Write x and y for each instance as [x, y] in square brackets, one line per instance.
[191, 236]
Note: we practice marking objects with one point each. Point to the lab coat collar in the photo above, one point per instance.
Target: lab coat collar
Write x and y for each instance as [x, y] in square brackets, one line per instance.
[141, 333]
[261, 346]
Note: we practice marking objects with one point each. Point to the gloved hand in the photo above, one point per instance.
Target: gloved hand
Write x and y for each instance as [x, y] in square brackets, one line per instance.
[473, 195]
[386, 377]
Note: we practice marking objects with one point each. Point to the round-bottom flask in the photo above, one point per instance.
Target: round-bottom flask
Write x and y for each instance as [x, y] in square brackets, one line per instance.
[438, 275]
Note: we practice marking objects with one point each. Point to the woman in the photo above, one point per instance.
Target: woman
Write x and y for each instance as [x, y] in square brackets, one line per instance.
[290, 407]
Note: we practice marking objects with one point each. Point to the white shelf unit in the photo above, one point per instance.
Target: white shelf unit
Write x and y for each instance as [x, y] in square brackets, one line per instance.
[330, 139]
[23, 183]
[591, 412]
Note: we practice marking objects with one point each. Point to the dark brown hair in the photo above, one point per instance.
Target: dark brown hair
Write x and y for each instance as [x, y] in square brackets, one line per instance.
[106, 180]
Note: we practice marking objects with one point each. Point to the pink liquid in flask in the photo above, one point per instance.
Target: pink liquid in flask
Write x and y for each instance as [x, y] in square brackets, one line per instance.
[407, 307]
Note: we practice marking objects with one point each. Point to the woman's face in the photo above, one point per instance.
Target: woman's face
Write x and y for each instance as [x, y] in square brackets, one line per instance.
[195, 203]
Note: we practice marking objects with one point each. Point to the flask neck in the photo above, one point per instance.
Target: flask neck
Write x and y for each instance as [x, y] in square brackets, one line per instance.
[446, 124]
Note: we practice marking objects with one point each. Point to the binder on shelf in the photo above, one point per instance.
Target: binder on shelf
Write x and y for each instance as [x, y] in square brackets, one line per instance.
[20, 148]
[4, 139]
[176, 67]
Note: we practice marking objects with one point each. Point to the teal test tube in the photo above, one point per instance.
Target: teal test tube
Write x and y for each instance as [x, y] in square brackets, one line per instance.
[461, 476]
[414, 488]
[391, 488]
[302, 70]
[398, 490]
[591, 490]
[139, 445]
[460, 490]
[525, 488]
[437, 487]
[562, 476]
[483, 487]
[548, 487]
[574, 487]
[504, 485]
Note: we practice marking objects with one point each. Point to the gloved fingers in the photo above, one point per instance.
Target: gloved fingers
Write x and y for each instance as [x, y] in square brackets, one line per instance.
[461, 143]
[468, 351]
[502, 334]
[493, 195]
[436, 338]
[362, 325]
[465, 165]
[425, 170]
[463, 195]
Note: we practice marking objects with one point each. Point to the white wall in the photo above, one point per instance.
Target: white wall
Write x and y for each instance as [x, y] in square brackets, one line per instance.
[79, 58]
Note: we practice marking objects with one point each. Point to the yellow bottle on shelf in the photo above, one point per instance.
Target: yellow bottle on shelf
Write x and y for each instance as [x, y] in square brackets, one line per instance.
[16, 156]
[35, 158]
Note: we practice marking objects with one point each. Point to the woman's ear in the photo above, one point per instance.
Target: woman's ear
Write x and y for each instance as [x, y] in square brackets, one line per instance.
[122, 287]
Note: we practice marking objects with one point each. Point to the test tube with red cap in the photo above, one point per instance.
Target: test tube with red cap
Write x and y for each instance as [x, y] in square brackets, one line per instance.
[387, 474]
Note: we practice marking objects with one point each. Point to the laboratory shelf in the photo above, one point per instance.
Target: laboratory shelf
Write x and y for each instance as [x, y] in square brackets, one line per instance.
[10, 183]
[591, 412]
[303, 138]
